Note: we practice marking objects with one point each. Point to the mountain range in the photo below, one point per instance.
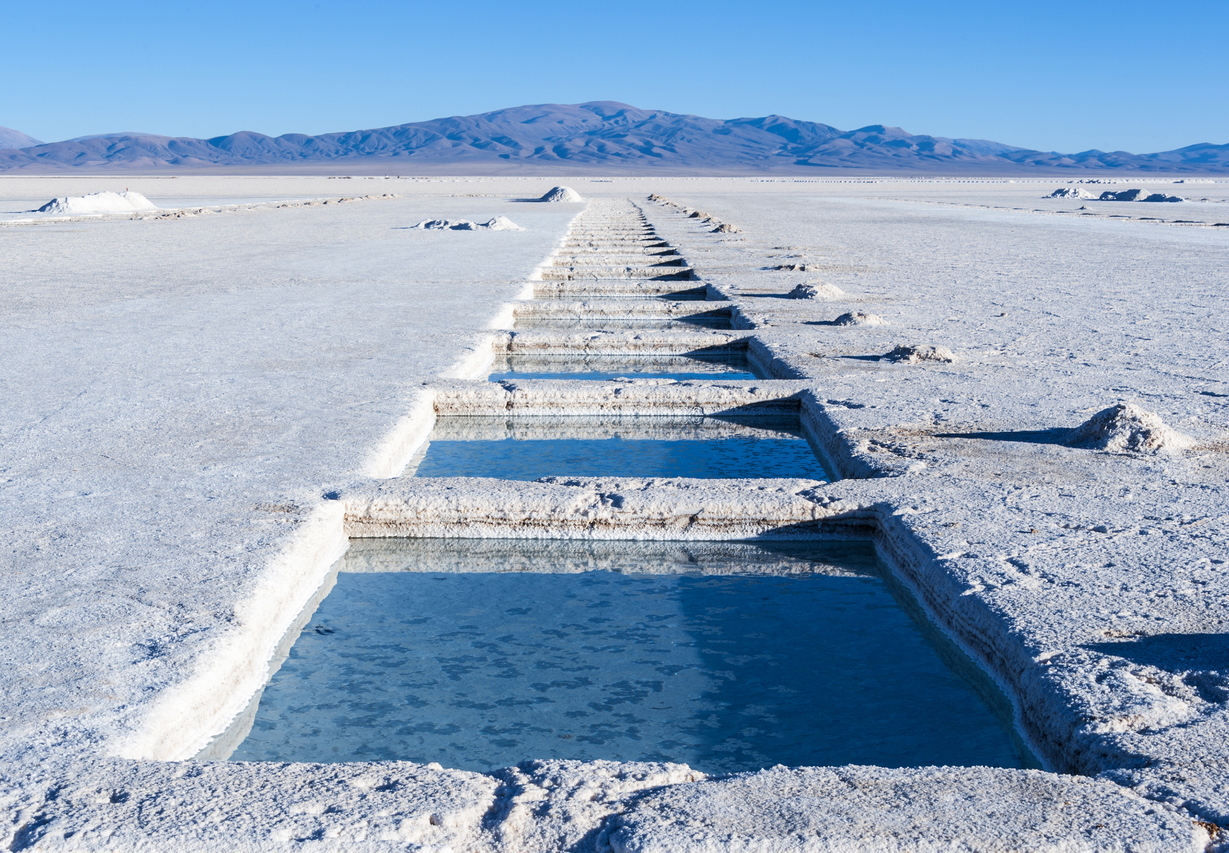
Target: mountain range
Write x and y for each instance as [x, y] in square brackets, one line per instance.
[599, 137]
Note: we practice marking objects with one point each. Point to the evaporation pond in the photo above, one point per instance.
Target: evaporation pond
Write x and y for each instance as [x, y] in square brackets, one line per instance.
[708, 448]
[727, 657]
[680, 367]
[603, 322]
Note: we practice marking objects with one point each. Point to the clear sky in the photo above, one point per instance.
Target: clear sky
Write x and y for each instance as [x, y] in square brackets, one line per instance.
[1066, 76]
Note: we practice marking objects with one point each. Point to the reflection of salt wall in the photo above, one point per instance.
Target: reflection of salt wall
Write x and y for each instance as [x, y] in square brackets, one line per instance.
[562, 556]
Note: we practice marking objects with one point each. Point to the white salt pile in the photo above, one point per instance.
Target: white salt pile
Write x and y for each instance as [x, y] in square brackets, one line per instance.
[562, 194]
[1126, 428]
[726, 228]
[102, 202]
[816, 291]
[501, 223]
[498, 223]
[916, 354]
[445, 225]
[1138, 195]
[1071, 192]
[857, 318]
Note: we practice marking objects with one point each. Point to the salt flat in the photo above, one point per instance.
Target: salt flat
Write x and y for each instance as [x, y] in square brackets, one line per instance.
[192, 402]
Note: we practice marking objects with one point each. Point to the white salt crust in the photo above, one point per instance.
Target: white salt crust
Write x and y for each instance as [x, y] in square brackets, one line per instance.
[173, 501]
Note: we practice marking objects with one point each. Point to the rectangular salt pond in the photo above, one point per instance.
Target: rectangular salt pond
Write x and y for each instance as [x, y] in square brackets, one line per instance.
[601, 322]
[703, 448]
[724, 656]
[680, 367]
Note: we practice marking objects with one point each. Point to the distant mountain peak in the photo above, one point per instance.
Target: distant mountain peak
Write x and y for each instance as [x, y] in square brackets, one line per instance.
[15, 139]
[594, 137]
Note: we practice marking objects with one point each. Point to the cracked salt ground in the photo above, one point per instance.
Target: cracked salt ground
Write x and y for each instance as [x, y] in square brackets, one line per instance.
[727, 658]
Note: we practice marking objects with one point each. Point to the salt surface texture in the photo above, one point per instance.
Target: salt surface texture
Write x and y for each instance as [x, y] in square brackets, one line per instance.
[727, 658]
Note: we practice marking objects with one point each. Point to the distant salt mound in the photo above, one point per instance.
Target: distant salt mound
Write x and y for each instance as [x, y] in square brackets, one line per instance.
[501, 223]
[1126, 428]
[816, 291]
[857, 318]
[1071, 192]
[1138, 195]
[562, 194]
[446, 225]
[726, 228]
[916, 354]
[103, 202]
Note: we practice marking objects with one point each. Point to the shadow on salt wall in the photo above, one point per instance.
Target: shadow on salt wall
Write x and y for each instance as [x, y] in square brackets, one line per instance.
[1057, 435]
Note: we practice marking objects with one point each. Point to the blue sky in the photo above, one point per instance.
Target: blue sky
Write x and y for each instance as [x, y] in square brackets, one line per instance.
[1055, 76]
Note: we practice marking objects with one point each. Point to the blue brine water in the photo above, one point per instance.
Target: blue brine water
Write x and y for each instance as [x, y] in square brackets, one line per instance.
[528, 450]
[483, 655]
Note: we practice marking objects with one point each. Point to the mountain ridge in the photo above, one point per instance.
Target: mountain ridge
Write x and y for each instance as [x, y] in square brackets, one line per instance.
[595, 137]
[14, 139]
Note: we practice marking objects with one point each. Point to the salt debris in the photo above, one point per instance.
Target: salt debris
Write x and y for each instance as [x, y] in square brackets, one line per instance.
[857, 318]
[916, 354]
[816, 291]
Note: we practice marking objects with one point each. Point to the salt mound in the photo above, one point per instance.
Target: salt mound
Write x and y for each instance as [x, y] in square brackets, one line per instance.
[857, 318]
[562, 194]
[1138, 195]
[816, 291]
[103, 202]
[1071, 192]
[501, 223]
[446, 225]
[916, 354]
[726, 228]
[1128, 428]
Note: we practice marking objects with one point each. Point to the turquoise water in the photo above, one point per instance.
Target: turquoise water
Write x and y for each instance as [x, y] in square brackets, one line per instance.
[480, 655]
[708, 449]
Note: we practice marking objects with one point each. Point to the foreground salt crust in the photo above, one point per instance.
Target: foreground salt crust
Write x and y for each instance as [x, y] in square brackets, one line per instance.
[221, 421]
[100, 202]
